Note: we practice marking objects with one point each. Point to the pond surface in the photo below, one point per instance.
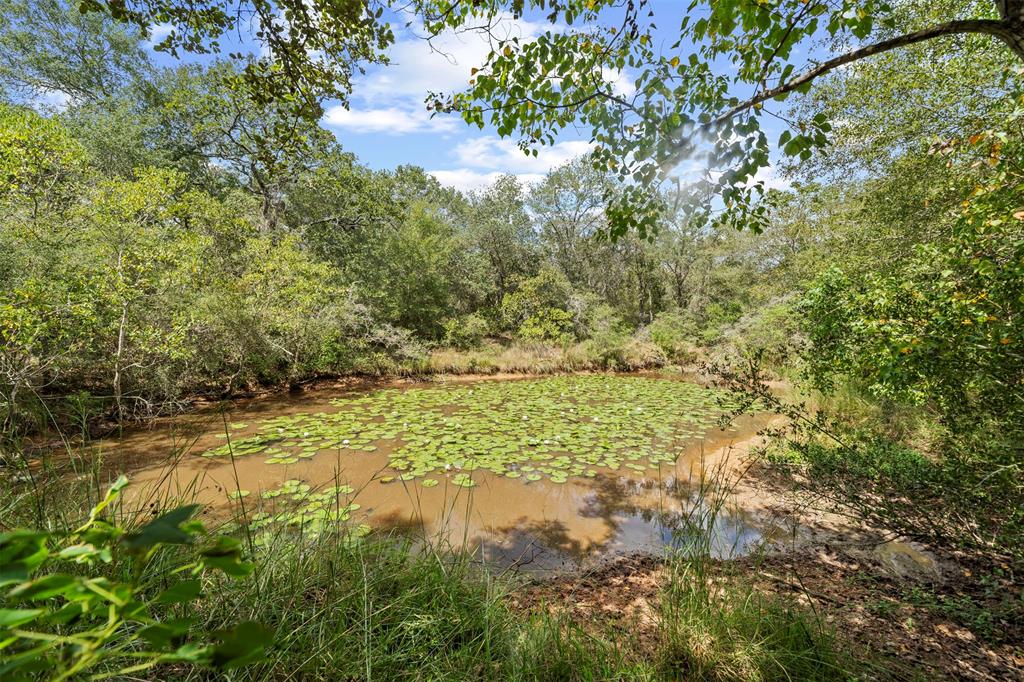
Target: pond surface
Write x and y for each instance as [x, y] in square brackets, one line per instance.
[541, 473]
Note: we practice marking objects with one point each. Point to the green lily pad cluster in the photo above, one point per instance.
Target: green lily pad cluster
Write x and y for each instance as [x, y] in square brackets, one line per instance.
[550, 428]
[306, 509]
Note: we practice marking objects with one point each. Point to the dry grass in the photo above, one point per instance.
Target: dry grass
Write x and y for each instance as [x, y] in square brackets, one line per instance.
[543, 358]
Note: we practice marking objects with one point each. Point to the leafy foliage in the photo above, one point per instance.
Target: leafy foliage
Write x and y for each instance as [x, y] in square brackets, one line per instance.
[945, 328]
[63, 617]
[681, 104]
[465, 332]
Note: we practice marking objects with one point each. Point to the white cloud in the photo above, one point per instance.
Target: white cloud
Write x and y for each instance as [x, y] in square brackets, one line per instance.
[483, 160]
[390, 99]
[53, 100]
[442, 64]
[469, 180]
[393, 120]
[767, 175]
[158, 32]
[504, 154]
[771, 179]
[622, 82]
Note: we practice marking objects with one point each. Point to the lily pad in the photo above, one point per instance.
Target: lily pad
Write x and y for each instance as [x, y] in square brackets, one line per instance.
[555, 427]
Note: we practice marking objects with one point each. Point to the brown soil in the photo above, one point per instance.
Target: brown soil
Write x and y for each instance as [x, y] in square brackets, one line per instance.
[967, 623]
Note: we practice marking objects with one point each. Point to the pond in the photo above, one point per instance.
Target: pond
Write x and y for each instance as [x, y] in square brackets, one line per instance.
[540, 473]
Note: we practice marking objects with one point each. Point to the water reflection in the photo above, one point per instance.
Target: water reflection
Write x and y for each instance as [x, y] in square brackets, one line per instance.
[642, 516]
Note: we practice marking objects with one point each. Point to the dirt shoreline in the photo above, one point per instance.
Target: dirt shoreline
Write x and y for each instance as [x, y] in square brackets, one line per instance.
[922, 613]
[910, 628]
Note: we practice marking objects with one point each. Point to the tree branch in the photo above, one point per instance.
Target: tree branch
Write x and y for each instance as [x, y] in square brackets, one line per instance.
[1008, 30]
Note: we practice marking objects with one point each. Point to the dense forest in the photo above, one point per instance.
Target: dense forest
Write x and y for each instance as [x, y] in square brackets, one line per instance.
[167, 236]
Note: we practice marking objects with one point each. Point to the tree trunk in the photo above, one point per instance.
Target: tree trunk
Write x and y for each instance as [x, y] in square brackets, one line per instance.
[120, 339]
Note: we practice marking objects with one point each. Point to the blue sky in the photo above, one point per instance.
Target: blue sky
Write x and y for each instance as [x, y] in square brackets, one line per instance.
[387, 123]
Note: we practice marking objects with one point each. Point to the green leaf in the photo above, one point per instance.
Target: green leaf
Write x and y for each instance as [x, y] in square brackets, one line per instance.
[165, 529]
[10, 618]
[185, 591]
[168, 633]
[226, 555]
[244, 644]
[21, 552]
[46, 587]
[112, 494]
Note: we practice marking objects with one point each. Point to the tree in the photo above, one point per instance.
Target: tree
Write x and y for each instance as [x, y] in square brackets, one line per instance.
[501, 230]
[568, 207]
[899, 103]
[204, 121]
[407, 275]
[681, 103]
[539, 308]
[49, 48]
[681, 242]
[309, 50]
[335, 203]
[138, 258]
[39, 163]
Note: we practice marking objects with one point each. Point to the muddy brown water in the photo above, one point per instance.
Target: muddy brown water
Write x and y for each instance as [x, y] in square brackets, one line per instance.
[532, 525]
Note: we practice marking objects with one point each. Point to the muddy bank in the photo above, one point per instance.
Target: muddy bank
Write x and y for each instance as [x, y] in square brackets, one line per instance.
[961, 621]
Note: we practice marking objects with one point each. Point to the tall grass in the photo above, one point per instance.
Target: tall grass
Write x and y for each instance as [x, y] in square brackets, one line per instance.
[545, 358]
[716, 624]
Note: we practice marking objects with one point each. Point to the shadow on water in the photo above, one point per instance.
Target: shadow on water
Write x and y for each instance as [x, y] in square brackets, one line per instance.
[642, 516]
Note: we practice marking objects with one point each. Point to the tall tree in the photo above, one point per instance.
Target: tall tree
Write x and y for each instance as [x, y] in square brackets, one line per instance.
[50, 50]
[684, 104]
[206, 122]
[568, 206]
[702, 96]
[501, 230]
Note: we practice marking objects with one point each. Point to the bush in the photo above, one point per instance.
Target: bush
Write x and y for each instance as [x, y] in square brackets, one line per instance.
[942, 332]
[640, 353]
[606, 347]
[465, 332]
[673, 333]
[61, 614]
[547, 324]
[538, 310]
[771, 332]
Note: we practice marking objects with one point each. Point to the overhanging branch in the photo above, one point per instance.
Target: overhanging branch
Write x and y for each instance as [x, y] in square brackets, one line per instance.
[1009, 30]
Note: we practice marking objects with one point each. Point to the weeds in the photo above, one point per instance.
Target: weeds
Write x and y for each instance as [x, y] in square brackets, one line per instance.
[716, 625]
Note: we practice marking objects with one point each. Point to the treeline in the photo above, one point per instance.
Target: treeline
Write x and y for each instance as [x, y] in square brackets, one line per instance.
[162, 235]
[133, 285]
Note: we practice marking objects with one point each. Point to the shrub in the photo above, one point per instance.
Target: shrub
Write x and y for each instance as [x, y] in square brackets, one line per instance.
[465, 332]
[943, 331]
[673, 332]
[538, 310]
[770, 331]
[606, 347]
[547, 324]
[640, 353]
[61, 614]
